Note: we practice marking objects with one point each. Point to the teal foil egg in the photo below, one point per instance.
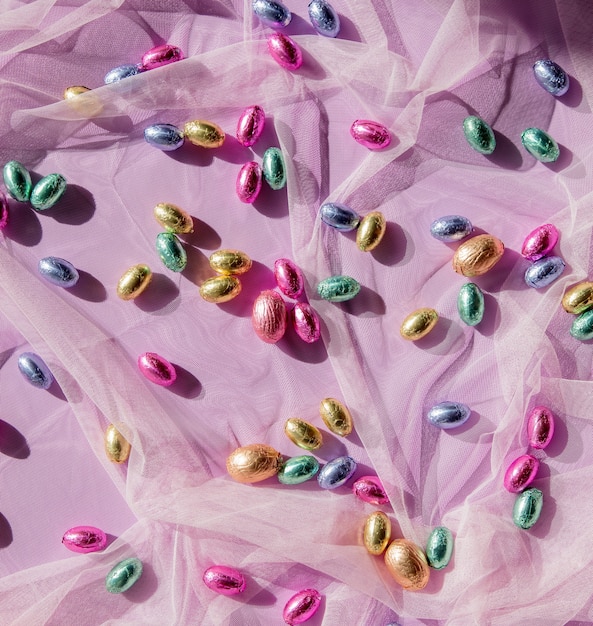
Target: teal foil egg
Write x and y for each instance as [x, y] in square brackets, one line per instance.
[17, 180]
[48, 191]
[540, 145]
[439, 547]
[298, 469]
[582, 327]
[273, 168]
[171, 251]
[479, 135]
[338, 288]
[528, 507]
[125, 574]
[470, 304]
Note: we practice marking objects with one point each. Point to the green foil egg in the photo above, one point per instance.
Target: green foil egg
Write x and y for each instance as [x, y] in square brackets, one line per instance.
[273, 168]
[125, 574]
[48, 191]
[582, 327]
[298, 469]
[528, 507]
[171, 251]
[540, 145]
[470, 304]
[439, 547]
[479, 135]
[338, 288]
[17, 181]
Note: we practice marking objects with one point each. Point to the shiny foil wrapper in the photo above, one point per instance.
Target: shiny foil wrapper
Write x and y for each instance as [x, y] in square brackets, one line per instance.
[80, 100]
[220, 289]
[230, 262]
[371, 135]
[272, 13]
[336, 472]
[84, 539]
[253, 463]
[579, 298]
[3, 211]
[305, 322]
[470, 304]
[301, 607]
[171, 251]
[544, 272]
[447, 415]
[249, 181]
[521, 473]
[540, 427]
[48, 191]
[173, 219]
[370, 489]
[477, 255]
[451, 228]
[251, 125]
[370, 231]
[479, 134]
[298, 469]
[120, 72]
[528, 508]
[204, 134]
[407, 564]
[551, 77]
[338, 288]
[224, 580]
[166, 137]
[339, 216]
[540, 145]
[157, 369]
[376, 533]
[285, 51]
[34, 370]
[418, 324]
[161, 55]
[582, 327]
[268, 316]
[134, 281]
[540, 242]
[303, 434]
[324, 18]
[439, 547]
[58, 271]
[289, 278]
[274, 168]
[17, 181]
[117, 447]
[124, 575]
[336, 417]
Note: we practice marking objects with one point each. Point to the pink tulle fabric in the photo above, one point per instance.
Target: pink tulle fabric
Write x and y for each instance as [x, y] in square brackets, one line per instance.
[419, 68]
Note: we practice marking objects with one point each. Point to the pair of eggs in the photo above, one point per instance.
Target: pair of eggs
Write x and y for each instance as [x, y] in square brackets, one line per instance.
[275, 14]
[42, 196]
[578, 300]
[370, 229]
[155, 57]
[230, 265]
[251, 175]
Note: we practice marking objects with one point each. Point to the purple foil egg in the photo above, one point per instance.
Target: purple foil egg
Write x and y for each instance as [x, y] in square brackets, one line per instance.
[305, 322]
[269, 316]
[540, 242]
[302, 606]
[289, 278]
[84, 539]
[370, 489]
[250, 125]
[540, 427]
[285, 51]
[521, 473]
[224, 580]
[161, 55]
[249, 182]
[3, 211]
[158, 370]
[371, 135]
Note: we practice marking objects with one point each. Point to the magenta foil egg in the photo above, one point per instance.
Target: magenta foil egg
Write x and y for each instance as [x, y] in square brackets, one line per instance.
[285, 51]
[289, 278]
[250, 125]
[84, 539]
[161, 55]
[302, 606]
[157, 369]
[540, 427]
[224, 580]
[3, 211]
[370, 489]
[371, 135]
[305, 322]
[249, 182]
[540, 242]
[269, 316]
[520, 473]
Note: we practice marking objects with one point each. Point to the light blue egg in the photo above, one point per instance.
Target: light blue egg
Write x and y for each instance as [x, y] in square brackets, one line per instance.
[447, 415]
[336, 472]
[324, 18]
[166, 137]
[58, 271]
[551, 77]
[451, 228]
[544, 271]
[272, 13]
[121, 72]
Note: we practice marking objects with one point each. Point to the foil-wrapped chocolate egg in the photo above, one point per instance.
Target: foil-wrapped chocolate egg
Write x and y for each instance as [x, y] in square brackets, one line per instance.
[161, 55]
[249, 182]
[253, 463]
[58, 271]
[204, 134]
[407, 564]
[48, 191]
[133, 282]
[521, 473]
[230, 262]
[303, 434]
[224, 580]
[376, 533]
[84, 539]
[120, 72]
[447, 415]
[540, 145]
[269, 316]
[157, 369]
[124, 575]
[370, 489]
[117, 447]
[336, 417]
[439, 547]
[336, 472]
[339, 216]
[551, 77]
[470, 304]
[80, 100]
[17, 180]
[3, 211]
[285, 51]
[173, 219]
[418, 324]
[451, 228]
[274, 168]
[324, 18]
[369, 134]
[165, 137]
[479, 134]
[219, 289]
[301, 607]
[579, 298]
[272, 13]
[540, 427]
[370, 231]
[289, 278]
[250, 125]
[582, 327]
[338, 288]
[540, 242]
[528, 508]
[171, 251]
[298, 469]
[305, 322]
[34, 370]
[544, 272]
[477, 255]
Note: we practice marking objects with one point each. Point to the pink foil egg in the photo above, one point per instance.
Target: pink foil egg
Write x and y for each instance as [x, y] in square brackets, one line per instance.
[540, 242]
[161, 55]
[250, 125]
[370, 489]
[371, 135]
[3, 211]
[520, 473]
[285, 51]
[84, 539]
[249, 182]
[540, 427]
[224, 580]
[157, 369]
[302, 606]
[305, 322]
[288, 278]
[269, 316]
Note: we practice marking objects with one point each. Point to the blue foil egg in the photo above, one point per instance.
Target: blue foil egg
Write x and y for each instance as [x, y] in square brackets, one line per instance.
[165, 137]
[544, 272]
[34, 369]
[551, 77]
[339, 216]
[451, 228]
[272, 13]
[324, 18]
[337, 472]
[447, 415]
[58, 271]
[120, 72]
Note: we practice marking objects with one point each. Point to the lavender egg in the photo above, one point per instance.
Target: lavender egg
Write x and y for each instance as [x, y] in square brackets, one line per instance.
[521, 473]
[324, 18]
[161, 55]
[272, 13]
[339, 216]
[540, 427]
[58, 271]
[157, 369]
[84, 539]
[336, 472]
[540, 242]
[305, 322]
[166, 137]
[551, 77]
[224, 580]
[447, 415]
[370, 489]
[451, 228]
[34, 369]
[269, 316]
[544, 272]
[121, 72]
[301, 607]
[289, 278]
[250, 125]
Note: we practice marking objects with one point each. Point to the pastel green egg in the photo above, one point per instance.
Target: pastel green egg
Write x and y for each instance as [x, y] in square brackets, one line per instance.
[17, 180]
[528, 508]
[540, 145]
[274, 169]
[171, 251]
[338, 288]
[125, 574]
[48, 191]
[298, 469]
[470, 304]
[582, 327]
[479, 134]
[439, 547]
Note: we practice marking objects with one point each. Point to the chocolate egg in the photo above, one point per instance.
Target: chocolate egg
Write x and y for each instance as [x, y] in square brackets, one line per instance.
[220, 289]
[477, 255]
[336, 472]
[528, 508]
[305, 322]
[544, 272]
[582, 327]
[3, 211]
[324, 18]
[551, 77]
[134, 281]
[58, 271]
[166, 137]
[298, 469]
[407, 564]
[171, 251]
[120, 72]
[84, 539]
[376, 533]
[540, 145]
[250, 125]
[249, 182]
[230, 262]
[272, 13]
[204, 134]
[479, 135]
[470, 304]
[418, 324]
[451, 228]
[117, 447]
[173, 219]
[303, 434]
[161, 55]
[17, 181]
[157, 369]
[34, 370]
[289, 278]
[338, 288]
[301, 607]
[125, 574]
[224, 580]
[80, 100]
[273, 168]
[447, 415]
[369, 134]
[439, 547]
[540, 427]
[370, 489]
[269, 316]
[253, 463]
[339, 216]
[540, 242]
[336, 417]
[520, 473]
[370, 231]
[579, 298]
[48, 191]
[285, 51]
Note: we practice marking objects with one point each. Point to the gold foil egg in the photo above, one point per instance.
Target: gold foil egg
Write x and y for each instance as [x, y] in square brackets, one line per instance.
[220, 289]
[370, 231]
[117, 447]
[134, 282]
[173, 219]
[579, 298]
[418, 324]
[336, 416]
[230, 262]
[376, 533]
[204, 134]
[303, 434]
[477, 255]
[83, 102]
[407, 564]
[253, 463]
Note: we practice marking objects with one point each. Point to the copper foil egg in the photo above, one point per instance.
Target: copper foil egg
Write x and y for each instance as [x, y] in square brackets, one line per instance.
[407, 564]
[253, 463]
[477, 255]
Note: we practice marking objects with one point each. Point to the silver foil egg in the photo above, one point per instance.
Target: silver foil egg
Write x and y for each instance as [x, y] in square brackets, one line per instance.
[324, 18]
[58, 271]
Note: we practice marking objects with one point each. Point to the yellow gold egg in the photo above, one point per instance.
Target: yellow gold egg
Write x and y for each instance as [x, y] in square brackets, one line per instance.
[134, 282]
[579, 298]
[173, 219]
[336, 416]
[303, 434]
[478, 255]
[220, 289]
[253, 463]
[418, 324]
[230, 262]
[376, 533]
[204, 134]
[370, 231]
[81, 101]
[117, 447]
[407, 564]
